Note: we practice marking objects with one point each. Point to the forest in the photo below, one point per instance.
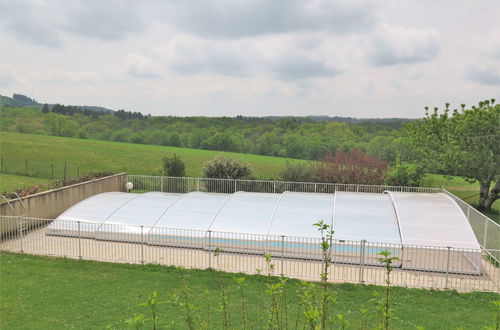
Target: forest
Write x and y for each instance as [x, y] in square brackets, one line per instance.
[292, 137]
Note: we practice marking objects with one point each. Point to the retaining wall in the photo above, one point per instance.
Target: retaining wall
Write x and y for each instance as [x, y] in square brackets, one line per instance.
[50, 204]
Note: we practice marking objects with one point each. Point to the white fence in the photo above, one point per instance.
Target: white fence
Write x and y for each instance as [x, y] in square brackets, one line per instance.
[228, 186]
[298, 257]
[486, 230]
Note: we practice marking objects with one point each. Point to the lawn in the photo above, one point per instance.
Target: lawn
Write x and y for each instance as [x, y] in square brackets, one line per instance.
[54, 293]
[10, 183]
[84, 156]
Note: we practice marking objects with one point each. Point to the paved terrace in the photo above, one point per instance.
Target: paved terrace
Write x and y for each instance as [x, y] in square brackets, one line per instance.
[36, 242]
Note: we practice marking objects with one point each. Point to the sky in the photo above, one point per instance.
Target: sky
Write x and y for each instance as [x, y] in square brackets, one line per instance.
[366, 59]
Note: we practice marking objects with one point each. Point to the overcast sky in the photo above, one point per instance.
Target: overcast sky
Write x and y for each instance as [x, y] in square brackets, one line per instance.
[384, 58]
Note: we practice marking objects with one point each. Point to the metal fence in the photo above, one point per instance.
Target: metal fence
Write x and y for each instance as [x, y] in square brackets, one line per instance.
[486, 230]
[228, 186]
[298, 257]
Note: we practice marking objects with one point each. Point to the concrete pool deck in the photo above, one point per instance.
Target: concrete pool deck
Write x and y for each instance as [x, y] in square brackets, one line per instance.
[37, 242]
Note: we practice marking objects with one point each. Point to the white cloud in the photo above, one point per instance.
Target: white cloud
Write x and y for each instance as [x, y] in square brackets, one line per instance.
[394, 45]
[6, 76]
[485, 74]
[142, 67]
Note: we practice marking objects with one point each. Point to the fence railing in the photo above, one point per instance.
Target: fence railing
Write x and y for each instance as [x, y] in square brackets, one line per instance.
[38, 169]
[228, 186]
[298, 257]
[486, 230]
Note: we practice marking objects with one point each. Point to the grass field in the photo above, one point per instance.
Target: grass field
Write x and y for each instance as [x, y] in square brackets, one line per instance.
[56, 293]
[9, 183]
[84, 156]
[93, 155]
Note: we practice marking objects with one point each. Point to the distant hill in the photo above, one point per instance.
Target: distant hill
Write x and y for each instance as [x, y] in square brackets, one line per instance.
[19, 100]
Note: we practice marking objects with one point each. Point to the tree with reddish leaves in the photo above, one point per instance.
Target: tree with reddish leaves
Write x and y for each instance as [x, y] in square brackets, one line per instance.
[351, 167]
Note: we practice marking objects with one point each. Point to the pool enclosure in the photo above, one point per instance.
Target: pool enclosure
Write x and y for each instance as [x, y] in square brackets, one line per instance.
[426, 231]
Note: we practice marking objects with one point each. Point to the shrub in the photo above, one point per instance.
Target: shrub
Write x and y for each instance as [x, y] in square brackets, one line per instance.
[174, 166]
[351, 167]
[301, 172]
[222, 167]
[405, 174]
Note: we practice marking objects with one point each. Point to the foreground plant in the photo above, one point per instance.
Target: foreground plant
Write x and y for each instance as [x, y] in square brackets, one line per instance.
[386, 312]
[326, 244]
[224, 307]
[153, 303]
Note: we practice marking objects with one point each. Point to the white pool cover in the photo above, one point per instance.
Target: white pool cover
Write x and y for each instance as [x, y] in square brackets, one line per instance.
[403, 223]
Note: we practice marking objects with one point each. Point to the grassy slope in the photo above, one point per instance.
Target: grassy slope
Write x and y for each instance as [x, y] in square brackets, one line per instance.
[9, 183]
[43, 293]
[94, 155]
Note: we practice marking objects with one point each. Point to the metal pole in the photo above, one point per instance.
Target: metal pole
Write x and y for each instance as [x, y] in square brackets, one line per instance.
[20, 231]
[362, 262]
[485, 237]
[315, 188]
[210, 249]
[26, 167]
[79, 241]
[447, 267]
[197, 184]
[234, 185]
[282, 255]
[65, 169]
[142, 245]
[161, 184]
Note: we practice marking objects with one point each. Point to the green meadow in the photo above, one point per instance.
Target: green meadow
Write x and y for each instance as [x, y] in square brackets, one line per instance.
[57, 293]
[41, 151]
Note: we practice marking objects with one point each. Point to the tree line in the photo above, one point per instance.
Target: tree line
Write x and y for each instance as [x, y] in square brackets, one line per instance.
[301, 138]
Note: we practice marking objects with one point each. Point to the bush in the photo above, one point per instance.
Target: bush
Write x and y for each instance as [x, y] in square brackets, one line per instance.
[405, 174]
[222, 167]
[174, 166]
[351, 167]
[300, 172]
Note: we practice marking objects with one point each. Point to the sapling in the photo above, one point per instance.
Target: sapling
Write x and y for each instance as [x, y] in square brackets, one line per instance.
[241, 285]
[326, 244]
[225, 303]
[259, 271]
[384, 306]
[153, 303]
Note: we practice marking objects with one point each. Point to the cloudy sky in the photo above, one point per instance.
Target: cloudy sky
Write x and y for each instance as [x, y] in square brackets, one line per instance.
[384, 58]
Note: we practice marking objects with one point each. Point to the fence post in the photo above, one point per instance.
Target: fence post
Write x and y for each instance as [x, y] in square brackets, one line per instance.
[52, 165]
[274, 187]
[161, 184]
[142, 245]
[447, 267]
[485, 236]
[282, 255]
[26, 168]
[197, 184]
[362, 262]
[20, 231]
[234, 185]
[79, 241]
[315, 188]
[78, 172]
[210, 249]
[65, 169]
